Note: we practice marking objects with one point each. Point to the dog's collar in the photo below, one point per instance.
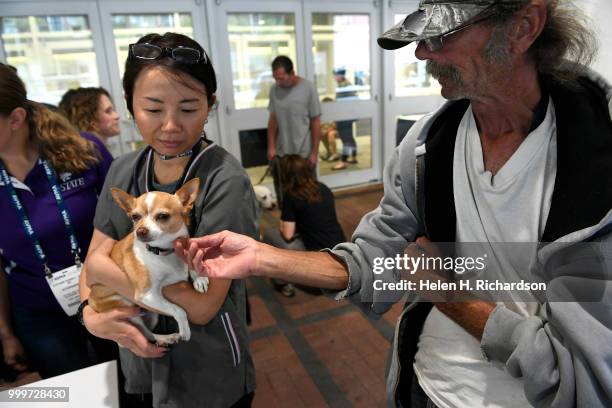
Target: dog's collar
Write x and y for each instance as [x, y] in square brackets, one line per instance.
[159, 251]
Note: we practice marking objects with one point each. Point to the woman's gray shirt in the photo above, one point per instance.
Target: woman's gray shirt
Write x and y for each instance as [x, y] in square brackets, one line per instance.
[214, 368]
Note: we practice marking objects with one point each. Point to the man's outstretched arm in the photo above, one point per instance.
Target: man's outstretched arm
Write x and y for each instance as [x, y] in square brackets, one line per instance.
[234, 256]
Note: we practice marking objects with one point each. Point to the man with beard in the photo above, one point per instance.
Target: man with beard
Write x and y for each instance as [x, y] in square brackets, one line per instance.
[519, 153]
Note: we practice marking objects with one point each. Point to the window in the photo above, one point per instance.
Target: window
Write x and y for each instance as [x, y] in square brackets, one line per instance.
[411, 78]
[128, 28]
[341, 48]
[51, 53]
[255, 40]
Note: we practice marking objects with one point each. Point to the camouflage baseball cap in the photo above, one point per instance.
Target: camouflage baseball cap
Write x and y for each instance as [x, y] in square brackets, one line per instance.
[435, 18]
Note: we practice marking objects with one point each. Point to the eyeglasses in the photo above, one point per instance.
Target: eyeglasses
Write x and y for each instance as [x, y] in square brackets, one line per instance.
[436, 43]
[185, 55]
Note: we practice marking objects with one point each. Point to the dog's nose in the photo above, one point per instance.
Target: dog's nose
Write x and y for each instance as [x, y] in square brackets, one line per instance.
[142, 232]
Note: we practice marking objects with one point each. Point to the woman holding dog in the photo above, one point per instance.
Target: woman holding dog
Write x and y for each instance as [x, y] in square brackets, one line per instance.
[169, 86]
[50, 178]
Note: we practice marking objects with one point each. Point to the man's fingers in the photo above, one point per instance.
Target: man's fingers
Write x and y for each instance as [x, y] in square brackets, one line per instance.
[197, 262]
[429, 247]
[208, 241]
[180, 246]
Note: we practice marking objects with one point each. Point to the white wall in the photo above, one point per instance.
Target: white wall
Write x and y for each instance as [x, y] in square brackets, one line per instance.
[600, 12]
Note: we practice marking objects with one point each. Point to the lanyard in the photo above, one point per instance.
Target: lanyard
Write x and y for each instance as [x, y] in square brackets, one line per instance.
[146, 155]
[27, 225]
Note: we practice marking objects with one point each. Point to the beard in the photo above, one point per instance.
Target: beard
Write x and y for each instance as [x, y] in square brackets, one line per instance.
[453, 76]
[438, 70]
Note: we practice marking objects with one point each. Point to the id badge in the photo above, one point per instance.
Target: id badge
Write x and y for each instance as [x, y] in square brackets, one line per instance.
[65, 287]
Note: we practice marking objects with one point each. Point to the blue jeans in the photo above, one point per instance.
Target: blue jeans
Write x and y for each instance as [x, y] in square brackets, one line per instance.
[56, 344]
[345, 132]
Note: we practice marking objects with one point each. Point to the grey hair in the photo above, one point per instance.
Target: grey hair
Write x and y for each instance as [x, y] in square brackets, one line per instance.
[566, 46]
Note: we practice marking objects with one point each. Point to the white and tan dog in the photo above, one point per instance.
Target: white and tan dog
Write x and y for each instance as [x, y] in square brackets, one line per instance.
[147, 257]
[266, 199]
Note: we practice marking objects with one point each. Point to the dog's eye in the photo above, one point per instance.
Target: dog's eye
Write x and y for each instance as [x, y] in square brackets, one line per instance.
[162, 217]
[136, 217]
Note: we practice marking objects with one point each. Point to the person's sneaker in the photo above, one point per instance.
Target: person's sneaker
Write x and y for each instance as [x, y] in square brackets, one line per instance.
[287, 290]
[339, 166]
[324, 157]
[334, 157]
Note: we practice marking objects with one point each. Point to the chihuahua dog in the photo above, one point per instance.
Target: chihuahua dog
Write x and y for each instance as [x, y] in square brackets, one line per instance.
[147, 257]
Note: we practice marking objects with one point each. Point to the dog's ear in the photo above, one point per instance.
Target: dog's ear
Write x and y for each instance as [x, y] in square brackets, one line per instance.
[123, 199]
[188, 192]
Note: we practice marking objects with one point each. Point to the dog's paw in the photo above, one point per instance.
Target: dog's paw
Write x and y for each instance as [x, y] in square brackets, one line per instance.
[200, 284]
[164, 340]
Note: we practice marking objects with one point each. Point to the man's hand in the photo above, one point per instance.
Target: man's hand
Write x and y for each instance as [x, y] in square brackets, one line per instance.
[14, 354]
[271, 152]
[423, 249]
[313, 159]
[223, 255]
[471, 315]
[115, 325]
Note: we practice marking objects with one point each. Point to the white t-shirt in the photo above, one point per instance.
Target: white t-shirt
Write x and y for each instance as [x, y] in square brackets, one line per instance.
[511, 206]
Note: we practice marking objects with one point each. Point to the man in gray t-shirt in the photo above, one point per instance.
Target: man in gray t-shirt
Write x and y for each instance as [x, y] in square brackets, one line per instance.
[294, 126]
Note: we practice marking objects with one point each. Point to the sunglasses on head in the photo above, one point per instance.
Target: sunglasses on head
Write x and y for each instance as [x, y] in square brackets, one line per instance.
[185, 55]
[436, 43]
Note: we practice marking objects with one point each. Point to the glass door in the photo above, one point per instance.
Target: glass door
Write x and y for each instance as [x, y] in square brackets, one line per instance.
[251, 35]
[409, 91]
[344, 66]
[52, 46]
[124, 23]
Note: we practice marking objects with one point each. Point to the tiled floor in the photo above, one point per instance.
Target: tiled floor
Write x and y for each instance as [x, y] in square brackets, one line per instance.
[311, 351]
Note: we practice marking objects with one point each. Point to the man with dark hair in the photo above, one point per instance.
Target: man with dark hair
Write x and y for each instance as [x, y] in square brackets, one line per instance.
[294, 125]
[520, 153]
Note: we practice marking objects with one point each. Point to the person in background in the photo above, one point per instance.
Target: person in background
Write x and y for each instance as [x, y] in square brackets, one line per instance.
[91, 110]
[44, 234]
[329, 133]
[345, 127]
[294, 125]
[308, 215]
[169, 85]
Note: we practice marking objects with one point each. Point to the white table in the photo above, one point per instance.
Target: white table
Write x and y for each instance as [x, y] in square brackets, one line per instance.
[91, 387]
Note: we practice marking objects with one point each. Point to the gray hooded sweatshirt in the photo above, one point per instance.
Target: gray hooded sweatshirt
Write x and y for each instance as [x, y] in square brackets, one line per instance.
[564, 356]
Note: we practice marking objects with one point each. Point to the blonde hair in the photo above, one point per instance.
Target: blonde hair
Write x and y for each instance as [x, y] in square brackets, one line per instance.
[57, 140]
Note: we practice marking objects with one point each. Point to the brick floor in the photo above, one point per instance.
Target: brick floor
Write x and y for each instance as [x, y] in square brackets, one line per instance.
[345, 345]
[282, 380]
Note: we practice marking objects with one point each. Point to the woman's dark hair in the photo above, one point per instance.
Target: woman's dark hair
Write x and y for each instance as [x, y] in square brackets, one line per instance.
[81, 105]
[56, 138]
[298, 179]
[202, 71]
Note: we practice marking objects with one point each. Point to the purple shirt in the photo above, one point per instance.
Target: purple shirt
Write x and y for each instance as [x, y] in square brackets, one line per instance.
[26, 280]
